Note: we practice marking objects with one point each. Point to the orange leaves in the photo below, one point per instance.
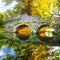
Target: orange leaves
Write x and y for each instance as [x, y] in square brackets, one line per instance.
[23, 32]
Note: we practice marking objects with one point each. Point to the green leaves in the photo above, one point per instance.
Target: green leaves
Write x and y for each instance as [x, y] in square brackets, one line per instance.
[56, 55]
[7, 1]
[2, 31]
[3, 17]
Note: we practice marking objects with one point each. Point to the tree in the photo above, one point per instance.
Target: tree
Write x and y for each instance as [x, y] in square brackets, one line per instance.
[42, 8]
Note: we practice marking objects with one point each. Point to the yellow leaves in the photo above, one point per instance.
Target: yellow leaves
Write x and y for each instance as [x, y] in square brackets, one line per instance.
[42, 8]
[35, 51]
[26, 3]
[40, 50]
[13, 13]
[52, 22]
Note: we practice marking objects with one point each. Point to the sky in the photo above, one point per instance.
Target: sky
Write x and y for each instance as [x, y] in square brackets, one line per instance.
[4, 7]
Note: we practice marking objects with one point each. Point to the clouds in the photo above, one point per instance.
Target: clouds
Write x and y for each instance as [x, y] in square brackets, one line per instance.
[4, 51]
[4, 7]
